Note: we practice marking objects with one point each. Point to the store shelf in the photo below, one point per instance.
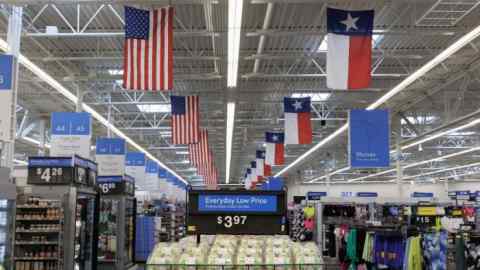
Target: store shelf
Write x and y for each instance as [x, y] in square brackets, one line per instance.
[36, 243]
[36, 207]
[38, 231]
[36, 259]
[38, 219]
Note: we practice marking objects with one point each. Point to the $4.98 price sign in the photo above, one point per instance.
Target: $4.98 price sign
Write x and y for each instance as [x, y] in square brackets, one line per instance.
[230, 221]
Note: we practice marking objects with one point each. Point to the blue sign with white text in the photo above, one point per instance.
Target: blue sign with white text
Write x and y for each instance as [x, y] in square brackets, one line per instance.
[237, 203]
[110, 146]
[152, 167]
[369, 139]
[70, 123]
[135, 159]
[367, 194]
[314, 196]
[6, 71]
[422, 195]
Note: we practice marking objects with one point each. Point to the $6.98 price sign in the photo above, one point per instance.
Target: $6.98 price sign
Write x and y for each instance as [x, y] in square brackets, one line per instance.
[230, 221]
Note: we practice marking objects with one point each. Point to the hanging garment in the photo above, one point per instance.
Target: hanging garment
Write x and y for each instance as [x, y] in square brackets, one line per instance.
[330, 245]
[435, 250]
[389, 250]
[367, 254]
[309, 212]
[352, 246]
[460, 263]
[415, 259]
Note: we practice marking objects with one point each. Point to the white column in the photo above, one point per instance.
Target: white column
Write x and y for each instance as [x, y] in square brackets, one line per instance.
[13, 39]
[398, 140]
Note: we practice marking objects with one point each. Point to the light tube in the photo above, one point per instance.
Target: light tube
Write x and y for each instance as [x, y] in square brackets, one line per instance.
[235, 8]
[229, 139]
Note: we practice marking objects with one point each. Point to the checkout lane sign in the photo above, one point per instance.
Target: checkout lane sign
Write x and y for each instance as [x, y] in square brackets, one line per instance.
[6, 100]
[71, 134]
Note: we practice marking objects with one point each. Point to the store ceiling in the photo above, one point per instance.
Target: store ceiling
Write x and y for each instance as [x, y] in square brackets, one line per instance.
[86, 54]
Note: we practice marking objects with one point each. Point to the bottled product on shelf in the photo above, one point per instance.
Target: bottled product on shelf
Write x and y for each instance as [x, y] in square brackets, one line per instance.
[107, 229]
[38, 234]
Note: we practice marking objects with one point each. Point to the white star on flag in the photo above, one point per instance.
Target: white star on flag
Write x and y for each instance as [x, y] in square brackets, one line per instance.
[275, 137]
[297, 105]
[350, 22]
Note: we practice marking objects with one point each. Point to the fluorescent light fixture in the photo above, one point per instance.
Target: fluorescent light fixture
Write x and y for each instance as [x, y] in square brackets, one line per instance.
[235, 8]
[324, 45]
[376, 39]
[74, 99]
[463, 133]
[411, 165]
[418, 119]
[34, 141]
[115, 72]
[154, 108]
[442, 170]
[20, 162]
[313, 96]
[229, 138]
[457, 45]
[182, 152]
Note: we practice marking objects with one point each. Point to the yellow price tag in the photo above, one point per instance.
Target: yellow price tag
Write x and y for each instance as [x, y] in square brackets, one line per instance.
[191, 228]
[426, 211]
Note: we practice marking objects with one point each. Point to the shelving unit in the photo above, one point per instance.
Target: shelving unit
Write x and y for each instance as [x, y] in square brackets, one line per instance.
[39, 235]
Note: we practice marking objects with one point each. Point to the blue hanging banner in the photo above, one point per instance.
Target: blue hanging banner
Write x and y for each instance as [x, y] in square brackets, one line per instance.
[6, 72]
[369, 139]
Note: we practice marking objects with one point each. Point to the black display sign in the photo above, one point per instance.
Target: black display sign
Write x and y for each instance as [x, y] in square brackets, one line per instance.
[115, 185]
[58, 171]
[236, 212]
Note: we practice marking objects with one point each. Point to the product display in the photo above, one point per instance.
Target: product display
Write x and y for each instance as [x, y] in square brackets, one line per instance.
[231, 250]
[107, 230]
[38, 234]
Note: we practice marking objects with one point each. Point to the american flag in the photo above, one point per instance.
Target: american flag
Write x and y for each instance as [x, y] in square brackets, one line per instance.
[148, 49]
[202, 157]
[185, 119]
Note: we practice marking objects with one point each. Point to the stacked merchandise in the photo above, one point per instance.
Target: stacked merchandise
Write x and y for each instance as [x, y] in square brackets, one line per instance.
[302, 222]
[107, 230]
[38, 234]
[178, 221]
[6, 219]
[277, 252]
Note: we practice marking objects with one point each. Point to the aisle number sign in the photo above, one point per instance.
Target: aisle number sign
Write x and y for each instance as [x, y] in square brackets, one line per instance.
[110, 156]
[71, 134]
[6, 97]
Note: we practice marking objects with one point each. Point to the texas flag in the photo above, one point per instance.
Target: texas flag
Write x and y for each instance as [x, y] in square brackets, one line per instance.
[349, 53]
[298, 129]
[262, 168]
[274, 151]
[248, 180]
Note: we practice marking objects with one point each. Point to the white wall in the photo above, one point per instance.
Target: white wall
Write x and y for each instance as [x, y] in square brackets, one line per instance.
[386, 192]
